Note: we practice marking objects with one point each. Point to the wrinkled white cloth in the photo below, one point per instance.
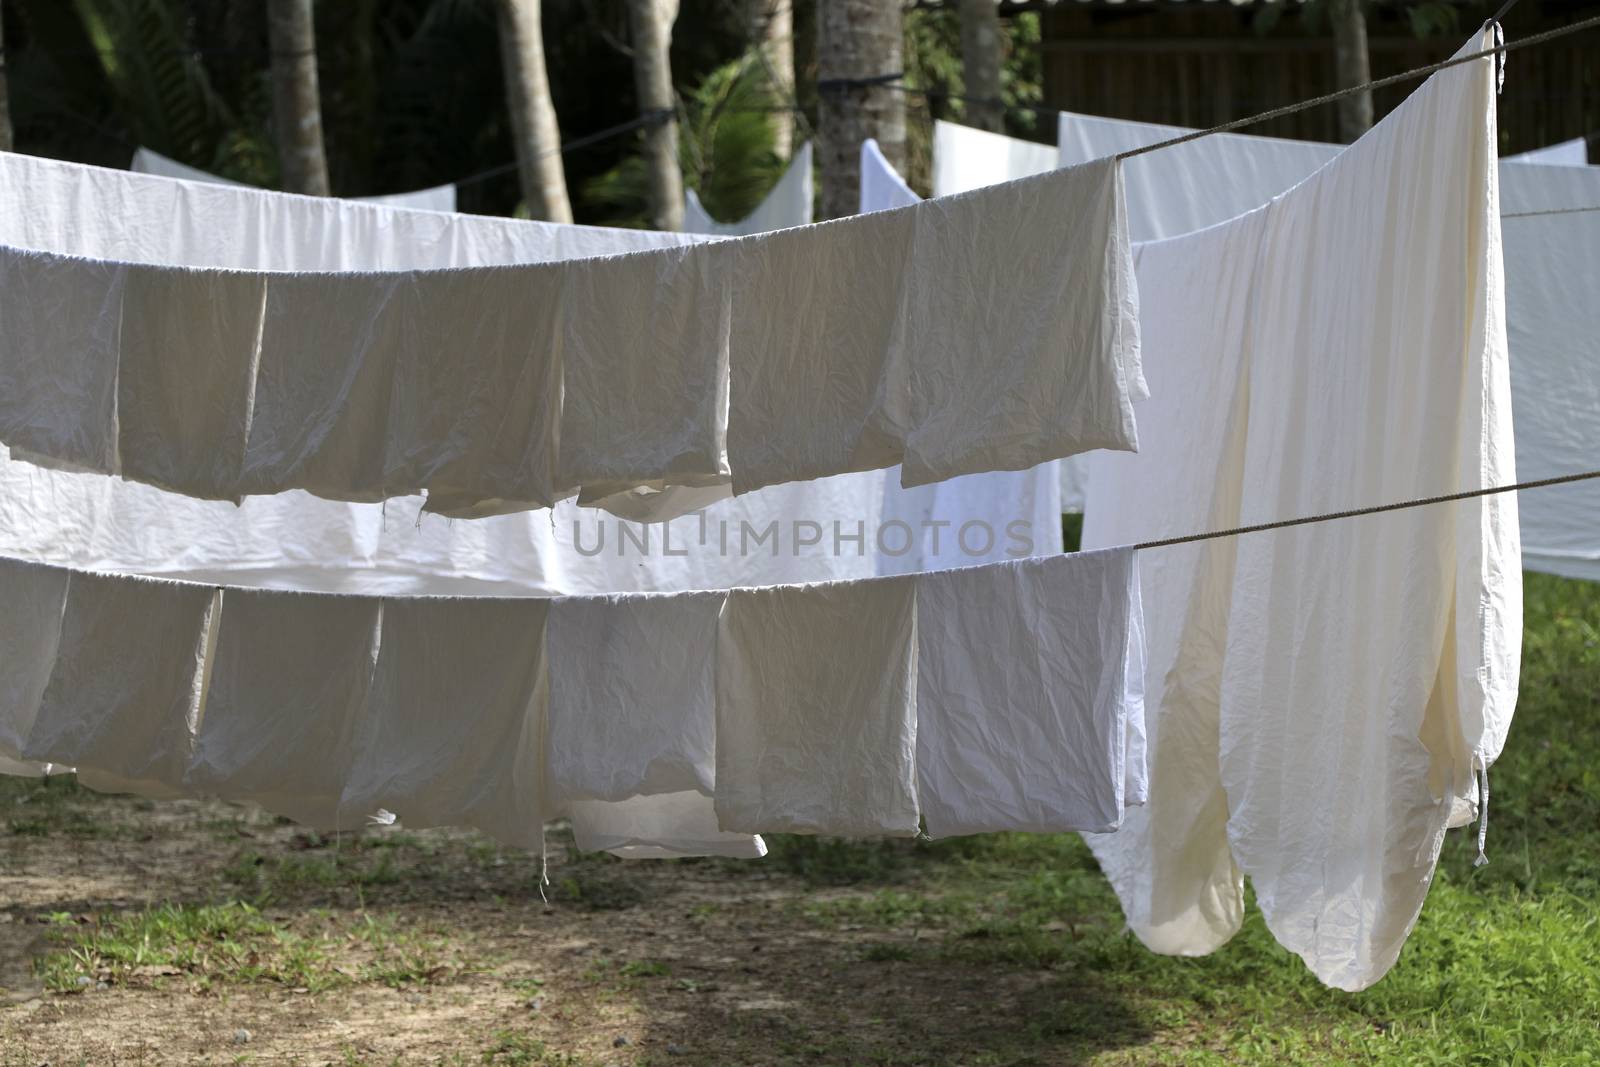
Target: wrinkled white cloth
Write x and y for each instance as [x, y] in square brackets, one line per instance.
[1030, 681]
[453, 728]
[653, 414]
[816, 720]
[434, 198]
[789, 203]
[329, 398]
[882, 187]
[290, 675]
[1567, 153]
[1552, 256]
[124, 692]
[30, 627]
[632, 729]
[965, 158]
[1363, 668]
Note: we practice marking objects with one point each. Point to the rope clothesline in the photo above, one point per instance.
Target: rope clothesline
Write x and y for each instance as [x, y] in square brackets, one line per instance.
[1376, 509]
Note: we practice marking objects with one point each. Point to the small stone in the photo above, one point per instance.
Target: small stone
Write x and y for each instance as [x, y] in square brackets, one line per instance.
[676, 1050]
[102, 985]
[83, 980]
[620, 1042]
[535, 1003]
[241, 1036]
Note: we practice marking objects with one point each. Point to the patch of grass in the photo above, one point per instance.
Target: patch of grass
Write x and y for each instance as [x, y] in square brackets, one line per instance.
[645, 969]
[511, 1048]
[598, 888]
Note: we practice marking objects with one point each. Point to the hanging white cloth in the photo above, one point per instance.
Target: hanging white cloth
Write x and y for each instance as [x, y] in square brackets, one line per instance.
[1573, 153]
[327, 395]
[965, 158]
[124, 692]
[290, 676]
[816, 720]
[789, 203]
[434, 198]
[1365, 668]
[632, 733]
[882, 188]
[1029, 695]
[1552, 258]
[452, 734]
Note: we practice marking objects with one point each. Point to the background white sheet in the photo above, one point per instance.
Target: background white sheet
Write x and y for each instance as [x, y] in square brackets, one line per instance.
[787, 204]
[436, 198]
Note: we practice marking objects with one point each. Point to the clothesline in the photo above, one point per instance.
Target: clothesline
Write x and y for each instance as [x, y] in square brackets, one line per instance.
[1376, 509]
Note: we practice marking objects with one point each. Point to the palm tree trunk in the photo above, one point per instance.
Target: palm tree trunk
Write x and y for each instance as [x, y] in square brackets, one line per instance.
[533, 114]
[980, 64]
[651, 25]
[296, 109]
[856, 39]
[1351, 67]
[772, 30]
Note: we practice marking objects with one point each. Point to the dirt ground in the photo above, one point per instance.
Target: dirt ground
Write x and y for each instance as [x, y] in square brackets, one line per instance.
[436, 947]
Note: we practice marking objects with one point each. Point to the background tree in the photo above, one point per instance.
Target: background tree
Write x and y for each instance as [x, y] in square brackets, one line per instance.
[651, 22]
[296, 103]
[856, 40]
[772, 32]
[1352, 66]
[980, 64]
[535, 132]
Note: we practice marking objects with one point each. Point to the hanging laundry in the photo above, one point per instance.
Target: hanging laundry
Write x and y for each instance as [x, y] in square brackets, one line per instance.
[124, 694]
[1551, 243]
[1573, 153]
[1365, 667]
[50, 205]
[632, 733]
[435, 198]
[1029, 695]
[882, 188]
[788, 204]
[290, 676]
[30, 628]
[324, 418]
[452, 732]
[816, 723]
[652, 414]
[965, 158]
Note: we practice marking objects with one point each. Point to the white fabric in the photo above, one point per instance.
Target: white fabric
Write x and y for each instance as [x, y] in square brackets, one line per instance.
[816, 727]
[1360, 668]
[632, 732]
[1569, 153]
[338, 390]
[789, 203]
[452, 731]
[882, 188]
[290, 677]
[1552, 262]
[965, 158]
[854, 342]
[436, 198]
[1029, 695]
[123, 697]
[30, 627]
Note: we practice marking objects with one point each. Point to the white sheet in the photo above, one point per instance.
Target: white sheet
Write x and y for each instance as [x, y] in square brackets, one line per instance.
[816, 720]
[789, 203]
[632, 733]
[965, 158]
[453, 731]
[1360, 667]
[290, 677]
[1029, 695]
[435, 198]
[882, 188]
[124, 694]
[1552, 257]
[1567, 153]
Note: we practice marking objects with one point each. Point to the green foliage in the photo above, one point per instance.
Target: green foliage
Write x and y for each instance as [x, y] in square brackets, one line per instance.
[725, 147]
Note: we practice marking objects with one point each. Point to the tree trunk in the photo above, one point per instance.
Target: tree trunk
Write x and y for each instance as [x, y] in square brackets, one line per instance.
[980, 64]
[296, 110]
[651, 24]
[856, 39]
[533, 114]
[772, 31]
[1351, 67]
[6, 141]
